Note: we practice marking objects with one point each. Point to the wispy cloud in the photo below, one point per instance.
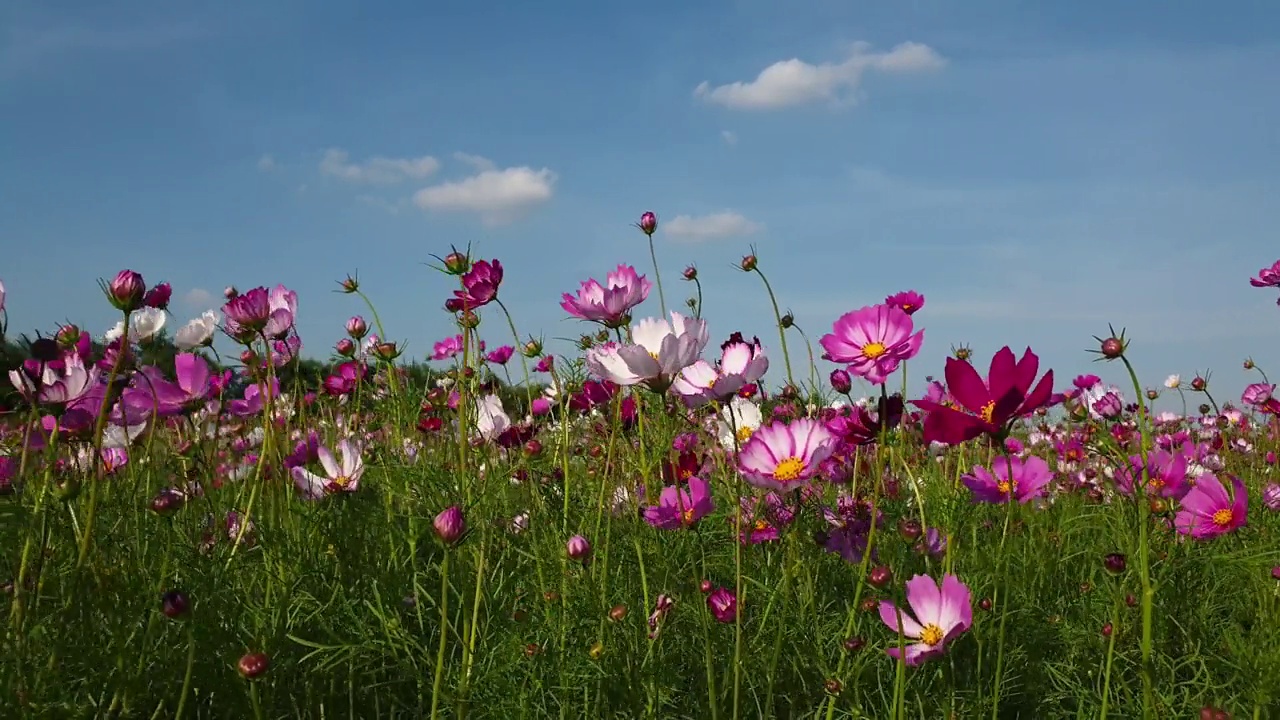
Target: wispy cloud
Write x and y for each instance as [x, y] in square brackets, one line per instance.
[267, 163]
[496, 196]
[730, 137]
[29, 47]
[376, 170]
[198, 299]
[715, 226]
[789, 83]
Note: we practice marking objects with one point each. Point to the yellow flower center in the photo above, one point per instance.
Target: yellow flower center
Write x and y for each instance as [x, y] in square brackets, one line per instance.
[687, 516]
[988, 411]
[873, 350]
[931, 635]
[1007, 486]
[1223, 517]
[907, 307]
[654, 355]
[788, 469]
[744, 434]
[342, 481]
[761, 526]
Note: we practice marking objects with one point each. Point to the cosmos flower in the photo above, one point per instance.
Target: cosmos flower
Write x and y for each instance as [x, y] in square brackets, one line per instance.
[1024, 480]
[198, 332]
[1207, 511]
[659, 351]
[680, 507]
[939, 613]
[609, 304]
[986, 406]
[873, 341]
[338, 477]
[785, 456]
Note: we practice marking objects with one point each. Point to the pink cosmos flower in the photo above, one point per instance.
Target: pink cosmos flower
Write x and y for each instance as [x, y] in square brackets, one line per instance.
[56, 383]
[258, 311]
[939, 614]
[1208, 511]
[1025, 483]
[873, 341]
[337, 478]
[447, 348]
[678, 508]
[501, 356]
[785, 456]
[741, 363]
[611, 303]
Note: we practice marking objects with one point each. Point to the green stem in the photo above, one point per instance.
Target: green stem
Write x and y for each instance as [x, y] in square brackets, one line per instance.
[444, 635]
[657, 276]
[782, 333]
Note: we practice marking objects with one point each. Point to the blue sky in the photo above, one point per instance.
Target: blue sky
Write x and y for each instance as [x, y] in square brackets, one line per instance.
[1037, 170]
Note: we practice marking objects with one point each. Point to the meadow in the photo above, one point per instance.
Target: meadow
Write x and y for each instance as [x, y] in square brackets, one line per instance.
[665, 525]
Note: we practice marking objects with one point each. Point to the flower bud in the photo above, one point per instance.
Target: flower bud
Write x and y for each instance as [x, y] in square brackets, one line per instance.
[1112, 348]
[345, 347]
[158, 297]
[748, 263]
[691, 273]
[253, 665]
[1115, 563]
[174, 604]
[357, 328]
[880, 576]
[455, 263]
[350, 285]
[841, 382]
[230, 292]
[450, 525]
[578, 548]
[648, 223]
[126, 291]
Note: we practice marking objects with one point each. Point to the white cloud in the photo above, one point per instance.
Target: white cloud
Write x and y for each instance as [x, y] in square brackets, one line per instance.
[376, 170]
[267, 163]
[198, 298]
[479, 163]
[730, 137]
[497, 196]
[788, 83]
[714, 226]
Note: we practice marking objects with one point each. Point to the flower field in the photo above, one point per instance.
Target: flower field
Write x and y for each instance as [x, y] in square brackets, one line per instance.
[672, 522]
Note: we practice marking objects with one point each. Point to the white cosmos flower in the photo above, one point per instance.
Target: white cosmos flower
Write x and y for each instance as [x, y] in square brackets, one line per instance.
[738, 421]
[198, 332]
[1173, 382]
[491, 419]
[658, 352]
[144, 323]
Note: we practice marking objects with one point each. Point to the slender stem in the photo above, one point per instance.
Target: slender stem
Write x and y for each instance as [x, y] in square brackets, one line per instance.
[782, 332]
[444, 635]
[657, 276]
[1144, 548]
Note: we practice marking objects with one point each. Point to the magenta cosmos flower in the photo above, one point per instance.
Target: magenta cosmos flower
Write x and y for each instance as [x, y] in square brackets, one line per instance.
[611, 303]
[1208, 511]
[678, 507]
[785, 456]
[58, 383]
[908, 301]
[939, 614]
[1024, 480]
[989, 406]
[1267, 276]
[873, 341]
[479, 284]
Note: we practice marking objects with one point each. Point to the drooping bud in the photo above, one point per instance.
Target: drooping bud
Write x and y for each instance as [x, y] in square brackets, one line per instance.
[455, 263]
[253, 665]
[158, 297]
[350, 285]
[1112, 348]
[748, 263]
[691, 273]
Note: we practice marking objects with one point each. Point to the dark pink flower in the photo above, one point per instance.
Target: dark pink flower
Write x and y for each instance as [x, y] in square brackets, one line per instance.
[480, 284]
[1267, 276]
[908, 301]
[1208, 511]
[872, 341]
